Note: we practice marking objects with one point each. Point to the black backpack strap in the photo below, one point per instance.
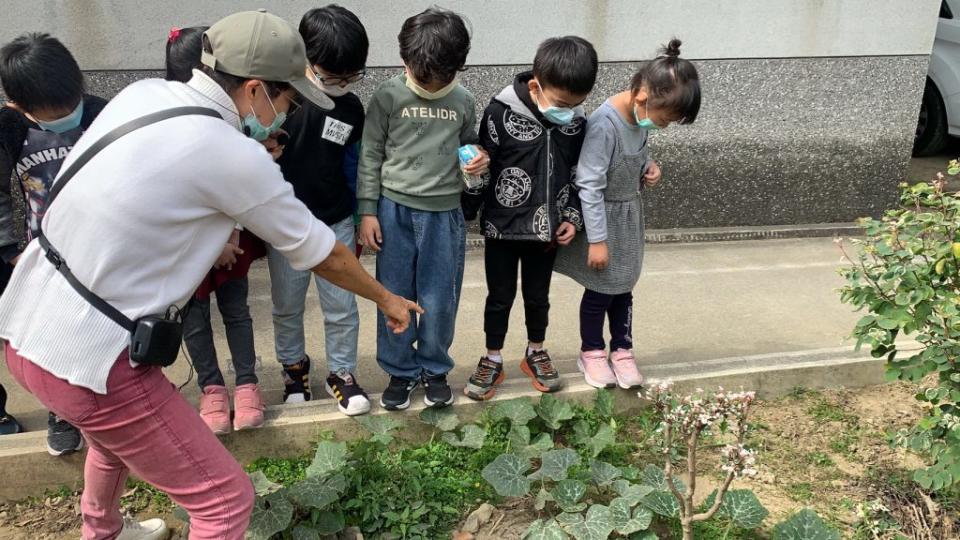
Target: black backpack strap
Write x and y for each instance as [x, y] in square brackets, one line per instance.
[53, 255]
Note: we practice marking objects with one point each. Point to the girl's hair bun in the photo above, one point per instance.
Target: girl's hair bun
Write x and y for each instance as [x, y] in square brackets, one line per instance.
[672, 49]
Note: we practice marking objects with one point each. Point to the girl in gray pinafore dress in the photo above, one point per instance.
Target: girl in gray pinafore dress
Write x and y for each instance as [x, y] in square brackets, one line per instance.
[613, 170]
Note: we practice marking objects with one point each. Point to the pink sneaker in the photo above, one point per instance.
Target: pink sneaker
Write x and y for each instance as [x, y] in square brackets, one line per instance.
[215, 409]
[596, 370]
[247, 407]
[625, 369]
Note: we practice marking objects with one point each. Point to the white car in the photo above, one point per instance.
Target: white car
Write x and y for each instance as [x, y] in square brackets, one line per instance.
[940, 110]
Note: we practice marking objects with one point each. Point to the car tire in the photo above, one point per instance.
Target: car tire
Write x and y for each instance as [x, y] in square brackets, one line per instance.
[931, 134]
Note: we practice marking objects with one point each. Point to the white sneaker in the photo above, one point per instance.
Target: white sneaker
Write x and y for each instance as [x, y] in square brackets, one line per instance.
[151, 529]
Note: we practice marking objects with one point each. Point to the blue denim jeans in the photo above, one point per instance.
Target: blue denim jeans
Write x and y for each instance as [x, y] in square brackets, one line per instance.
[421, 258]
[341, 321]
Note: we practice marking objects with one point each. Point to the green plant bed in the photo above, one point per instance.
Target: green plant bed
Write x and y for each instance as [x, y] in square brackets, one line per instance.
[383, 486]
[588, 474]
[571, 471]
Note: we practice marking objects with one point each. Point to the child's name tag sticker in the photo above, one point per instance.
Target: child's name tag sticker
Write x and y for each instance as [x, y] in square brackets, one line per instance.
[336, 131]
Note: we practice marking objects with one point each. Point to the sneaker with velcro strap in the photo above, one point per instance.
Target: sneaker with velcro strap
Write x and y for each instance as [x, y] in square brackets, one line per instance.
[397, 395]
[62, 437]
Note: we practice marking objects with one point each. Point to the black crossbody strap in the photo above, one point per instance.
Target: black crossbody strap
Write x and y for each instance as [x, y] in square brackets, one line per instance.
[53, 255]
[102, 306]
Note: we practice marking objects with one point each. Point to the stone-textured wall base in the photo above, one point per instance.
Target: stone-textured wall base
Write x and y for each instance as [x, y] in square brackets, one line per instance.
[778, 141]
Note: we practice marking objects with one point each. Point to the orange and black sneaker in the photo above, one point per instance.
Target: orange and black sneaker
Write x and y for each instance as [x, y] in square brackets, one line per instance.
[483, 383]
[538, 366]
[296, 381]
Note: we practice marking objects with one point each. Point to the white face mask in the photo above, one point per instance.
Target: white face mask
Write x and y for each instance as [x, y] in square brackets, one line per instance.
[336, 90]
[426, 94]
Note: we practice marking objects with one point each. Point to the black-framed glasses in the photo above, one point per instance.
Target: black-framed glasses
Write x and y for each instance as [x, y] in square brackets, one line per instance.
[339, 79]
[294, 105]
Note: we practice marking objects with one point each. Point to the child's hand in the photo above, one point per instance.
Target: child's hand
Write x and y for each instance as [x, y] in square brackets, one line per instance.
[565, 233]
[370, 235]
[478, 165]
[598, 256]
[276, 143]
[652, 177]
[228, 257]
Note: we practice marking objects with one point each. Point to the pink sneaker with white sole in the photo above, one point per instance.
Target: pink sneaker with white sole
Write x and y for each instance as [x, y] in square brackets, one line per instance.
[625, 369]
[596, 370]
[247, 407]
[215, 408]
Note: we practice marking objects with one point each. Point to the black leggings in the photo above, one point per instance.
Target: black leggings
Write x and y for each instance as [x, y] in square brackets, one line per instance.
[502, 258]
[3, 401]
[594, 308]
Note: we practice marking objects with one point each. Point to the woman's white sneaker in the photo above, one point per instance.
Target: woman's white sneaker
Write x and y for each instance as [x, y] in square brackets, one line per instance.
[151, 529]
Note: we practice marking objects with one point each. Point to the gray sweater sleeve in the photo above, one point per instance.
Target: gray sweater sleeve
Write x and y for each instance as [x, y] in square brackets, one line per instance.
[595, 159]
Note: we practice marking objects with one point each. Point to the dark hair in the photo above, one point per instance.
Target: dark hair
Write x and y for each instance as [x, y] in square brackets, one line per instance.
[230, 83]
[568, 62]
[335, 38]
[672, 82]
[38, 72]
[183, 52]
[434, 45]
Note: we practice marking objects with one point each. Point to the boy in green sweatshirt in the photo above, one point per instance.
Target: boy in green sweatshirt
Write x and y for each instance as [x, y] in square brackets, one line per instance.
[408, 194]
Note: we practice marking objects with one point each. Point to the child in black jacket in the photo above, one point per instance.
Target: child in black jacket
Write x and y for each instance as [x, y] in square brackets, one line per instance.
[533, 131]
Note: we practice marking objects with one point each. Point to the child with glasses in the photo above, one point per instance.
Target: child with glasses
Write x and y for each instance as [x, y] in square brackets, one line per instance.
[320, 161]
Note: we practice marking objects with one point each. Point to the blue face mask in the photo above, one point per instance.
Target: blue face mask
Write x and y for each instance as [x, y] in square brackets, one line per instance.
[646, 123]
[561, 116]
[259, 132]
[65, 124]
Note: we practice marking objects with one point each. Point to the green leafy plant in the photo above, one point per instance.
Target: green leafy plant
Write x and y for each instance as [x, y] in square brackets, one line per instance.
[381, 485]
[805, 525]
[582, 497]
[446, 421]
[906, 276]
[416, 491]
[305, 504]
[381, 427]
[563, 479]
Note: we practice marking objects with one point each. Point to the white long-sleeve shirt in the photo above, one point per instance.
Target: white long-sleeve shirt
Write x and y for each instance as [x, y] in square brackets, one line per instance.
[143, 222]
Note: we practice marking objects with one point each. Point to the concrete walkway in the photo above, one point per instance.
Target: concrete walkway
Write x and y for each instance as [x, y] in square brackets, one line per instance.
[694, 302]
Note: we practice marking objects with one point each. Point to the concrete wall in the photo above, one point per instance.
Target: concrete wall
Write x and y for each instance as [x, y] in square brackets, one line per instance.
[809, 105]
[129, 34]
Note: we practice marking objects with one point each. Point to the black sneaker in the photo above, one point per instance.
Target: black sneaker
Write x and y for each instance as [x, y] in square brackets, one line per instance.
[483, 382]
[437, 392]
[62, 438]
[351, 399]
[296, 381]
[397, 395]
[9, 425]
[538, 366]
